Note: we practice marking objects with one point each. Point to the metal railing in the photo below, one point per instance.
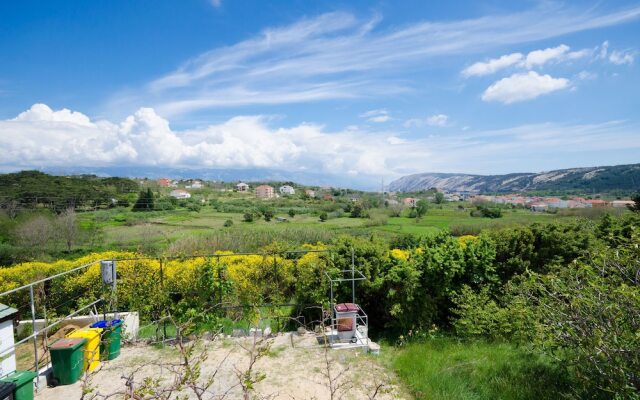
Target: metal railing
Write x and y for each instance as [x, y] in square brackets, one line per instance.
[37, 312]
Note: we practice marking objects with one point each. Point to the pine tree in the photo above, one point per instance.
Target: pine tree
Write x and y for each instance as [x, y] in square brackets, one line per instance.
[145, 201]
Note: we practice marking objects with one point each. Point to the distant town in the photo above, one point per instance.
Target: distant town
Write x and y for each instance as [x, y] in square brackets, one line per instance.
[265, 191]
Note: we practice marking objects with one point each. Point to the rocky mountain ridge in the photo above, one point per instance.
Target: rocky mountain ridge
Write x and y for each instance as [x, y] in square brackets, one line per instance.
[597, 179]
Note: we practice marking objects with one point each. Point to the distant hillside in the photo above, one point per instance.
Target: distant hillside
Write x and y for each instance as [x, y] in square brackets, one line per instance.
[593, 179]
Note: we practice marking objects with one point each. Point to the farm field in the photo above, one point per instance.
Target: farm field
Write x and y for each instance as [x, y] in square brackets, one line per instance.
[449, 216]
[123, 229]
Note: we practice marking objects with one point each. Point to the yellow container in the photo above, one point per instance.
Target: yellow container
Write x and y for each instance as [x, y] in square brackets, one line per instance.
[91, 346]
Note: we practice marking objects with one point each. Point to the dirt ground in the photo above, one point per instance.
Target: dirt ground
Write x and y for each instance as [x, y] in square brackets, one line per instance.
[293, 367]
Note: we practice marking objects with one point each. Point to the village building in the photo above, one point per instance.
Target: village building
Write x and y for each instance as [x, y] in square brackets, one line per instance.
[622, 203]
[452, 197]
[410, 201]
[164, 182]
[195, 185]
[539, 207]
[286, 189]
[573, 203]
[597, 203]
[180, 194]
[265, 192]
[310, 193]
[242, 187]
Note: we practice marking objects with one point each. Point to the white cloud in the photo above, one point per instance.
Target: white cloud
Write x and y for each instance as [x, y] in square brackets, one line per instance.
[42, 112]
[337, 56]
[146, 139]
[413, 123]
[438, 120]
[43, 137]
[604, 49]
[395, 140]
[584, 53]
[587, 75]
[493, 65]
[535, 58]
[540, 57]
[377, 116]
[621, 57]
[616, 56]
[524, 86]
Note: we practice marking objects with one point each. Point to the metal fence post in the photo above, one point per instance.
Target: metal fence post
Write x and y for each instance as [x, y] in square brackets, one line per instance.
[219, 267]
[33, 328]
[164, 321]
[353, 271]
[275, 273]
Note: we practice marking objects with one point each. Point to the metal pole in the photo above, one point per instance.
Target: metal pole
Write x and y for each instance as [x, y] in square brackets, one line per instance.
[33, 327]
[219, 267]
[275, 274]
[164, 322]
[45, 338]
[353, 276]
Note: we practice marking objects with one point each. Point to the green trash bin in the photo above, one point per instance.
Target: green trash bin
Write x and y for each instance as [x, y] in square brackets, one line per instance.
[111, 338]
[67, 360]
[24, 384]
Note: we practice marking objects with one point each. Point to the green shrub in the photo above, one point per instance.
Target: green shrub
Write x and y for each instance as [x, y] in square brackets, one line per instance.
[583, 313]
[248, 217]
[486, 212]
[267, 215]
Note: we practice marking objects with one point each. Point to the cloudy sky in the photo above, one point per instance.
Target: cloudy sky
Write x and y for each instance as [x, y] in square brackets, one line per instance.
[359, 89]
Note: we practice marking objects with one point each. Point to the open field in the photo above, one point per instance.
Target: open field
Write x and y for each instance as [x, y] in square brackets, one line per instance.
[449, 216]
[123, 229]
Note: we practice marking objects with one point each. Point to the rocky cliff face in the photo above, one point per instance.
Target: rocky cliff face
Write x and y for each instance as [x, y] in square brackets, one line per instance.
[619, 177]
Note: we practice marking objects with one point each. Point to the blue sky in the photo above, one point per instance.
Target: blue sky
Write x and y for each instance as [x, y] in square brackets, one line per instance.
[355, 89]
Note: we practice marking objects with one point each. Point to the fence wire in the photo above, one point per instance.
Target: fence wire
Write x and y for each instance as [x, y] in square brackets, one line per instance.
[46, 305]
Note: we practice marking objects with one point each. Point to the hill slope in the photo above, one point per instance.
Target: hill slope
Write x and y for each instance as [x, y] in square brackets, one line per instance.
[592, 179]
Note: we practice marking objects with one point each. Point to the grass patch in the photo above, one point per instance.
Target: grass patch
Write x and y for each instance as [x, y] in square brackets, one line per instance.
[157, 331]
[444, 368]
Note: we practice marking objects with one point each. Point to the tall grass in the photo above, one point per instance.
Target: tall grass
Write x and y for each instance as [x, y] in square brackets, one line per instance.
[446, 369]
[239, 240]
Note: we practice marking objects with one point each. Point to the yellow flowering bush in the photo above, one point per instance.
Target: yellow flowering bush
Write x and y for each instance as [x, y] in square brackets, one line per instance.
[182, 285]
[464, 240]
[399, 254]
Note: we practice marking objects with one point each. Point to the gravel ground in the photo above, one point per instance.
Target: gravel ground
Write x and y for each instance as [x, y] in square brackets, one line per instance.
[294, 367]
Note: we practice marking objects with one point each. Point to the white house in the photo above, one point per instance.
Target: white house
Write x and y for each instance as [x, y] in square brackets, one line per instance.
[286, 189]
[242, 187]
[539, 207]
[622, 203]
[180, 194]
[195, 185]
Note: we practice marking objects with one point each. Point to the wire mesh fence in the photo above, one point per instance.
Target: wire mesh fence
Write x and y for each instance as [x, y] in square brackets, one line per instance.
[40, 309]
[228, 291]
